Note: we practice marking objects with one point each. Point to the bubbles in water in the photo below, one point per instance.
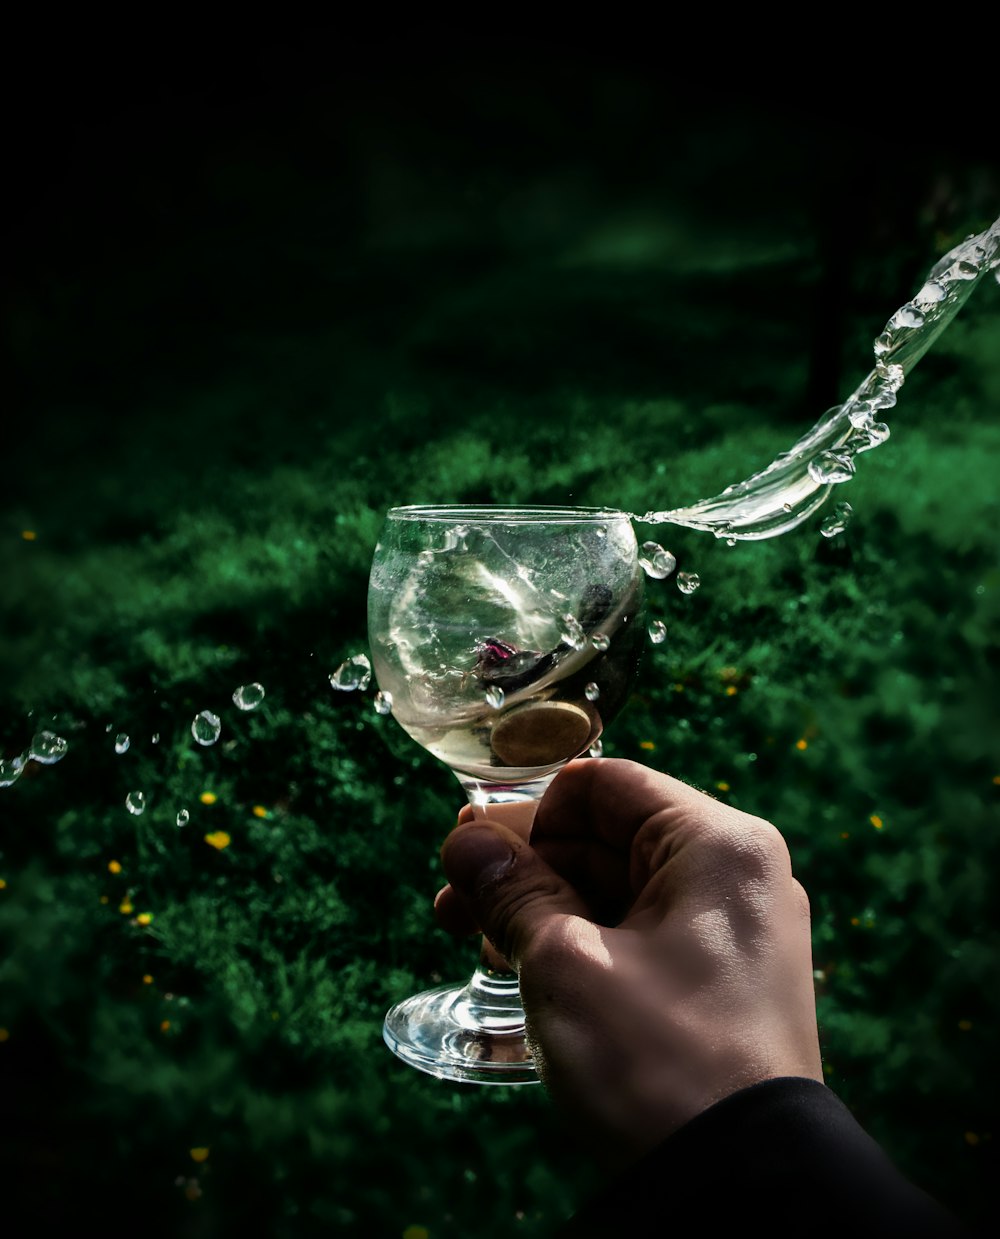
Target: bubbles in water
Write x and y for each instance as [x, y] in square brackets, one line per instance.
[494, 696]
[596, 749]
[48, 748]
[831, 466]
[688, 582]
[10, 770]
[600, 641]
[657, 632]
[248, 696]
[135, 802]
[354, 673]
[572, 632]
[655, 561]
[837, 521]
[122, 743]
[183, 817]
[206, 727]
[383, 703]
[592, 691]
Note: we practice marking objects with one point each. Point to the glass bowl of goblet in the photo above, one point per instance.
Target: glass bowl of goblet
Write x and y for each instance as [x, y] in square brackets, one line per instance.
[504, 640]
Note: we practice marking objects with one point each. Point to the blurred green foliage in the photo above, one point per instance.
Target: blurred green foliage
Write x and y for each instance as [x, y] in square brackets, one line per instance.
[223, 393]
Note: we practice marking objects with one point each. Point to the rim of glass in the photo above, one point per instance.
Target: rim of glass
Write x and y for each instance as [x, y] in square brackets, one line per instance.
[499, 512]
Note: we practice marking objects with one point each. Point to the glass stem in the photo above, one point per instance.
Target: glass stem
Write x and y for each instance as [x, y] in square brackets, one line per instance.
[494, 983]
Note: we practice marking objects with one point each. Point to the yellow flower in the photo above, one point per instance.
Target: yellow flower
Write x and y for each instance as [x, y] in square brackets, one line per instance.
[144, 918]
[801, 744]
[147, 979]
[199, 1154]
[164, 1026]
[218, 839]
[722, 786]
[114, 866]
[28, 535]
[125, 907]
[648, 745]
[731, 690]
[876, 821]
[3, 884]
[208, 798]
[259, 811]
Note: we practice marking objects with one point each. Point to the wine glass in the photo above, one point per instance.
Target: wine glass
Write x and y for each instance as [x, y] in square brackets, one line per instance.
[503, 640]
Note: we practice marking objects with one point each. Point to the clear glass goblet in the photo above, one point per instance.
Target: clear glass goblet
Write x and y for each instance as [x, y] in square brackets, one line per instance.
[504, 640]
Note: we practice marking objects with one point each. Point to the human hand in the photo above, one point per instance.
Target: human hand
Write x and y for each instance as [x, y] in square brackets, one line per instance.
[662, 945]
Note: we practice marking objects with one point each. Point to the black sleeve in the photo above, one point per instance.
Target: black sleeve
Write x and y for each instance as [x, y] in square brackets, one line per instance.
[784, 1154]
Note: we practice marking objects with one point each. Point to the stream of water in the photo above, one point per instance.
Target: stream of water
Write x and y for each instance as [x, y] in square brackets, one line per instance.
[799, 481]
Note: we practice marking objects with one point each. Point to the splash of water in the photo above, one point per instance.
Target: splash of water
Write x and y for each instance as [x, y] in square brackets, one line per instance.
[799, 481]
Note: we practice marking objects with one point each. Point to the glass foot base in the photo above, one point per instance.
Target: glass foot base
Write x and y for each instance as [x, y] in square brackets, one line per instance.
[451, 1033]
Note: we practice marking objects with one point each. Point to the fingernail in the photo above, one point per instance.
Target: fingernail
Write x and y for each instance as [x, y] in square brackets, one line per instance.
[475, 856]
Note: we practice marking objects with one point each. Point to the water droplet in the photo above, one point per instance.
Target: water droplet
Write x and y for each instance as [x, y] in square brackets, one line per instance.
[354, 673]
[655, 561]
[860, 413]
[831, 467]
[882, 398]
[600, 532]
[122, 743]
[891, 375]
[600, 641]
[688, 582]
[248, 696]
[907, 316]
[572, 632]
[48, 748]
[592, 691]
[183, 817]
[965, 270]
[494, 696]
[931, 293]
[657, 632]
[10, 770]
[883, 344]
[135, 802]
[154, 738]
[383, 703]
[206, 727]
[837, 520]
[596, 749]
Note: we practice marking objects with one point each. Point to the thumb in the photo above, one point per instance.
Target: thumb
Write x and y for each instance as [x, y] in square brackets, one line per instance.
[510, 890]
